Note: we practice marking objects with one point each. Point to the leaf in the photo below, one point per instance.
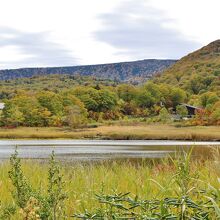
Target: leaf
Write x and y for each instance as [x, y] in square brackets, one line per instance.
[215, 206]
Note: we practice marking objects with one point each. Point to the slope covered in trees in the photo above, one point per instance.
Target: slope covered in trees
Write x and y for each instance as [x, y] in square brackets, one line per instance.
[197, 72]
[134, 71]
[60, 100]
[50, 82]
[79, 104]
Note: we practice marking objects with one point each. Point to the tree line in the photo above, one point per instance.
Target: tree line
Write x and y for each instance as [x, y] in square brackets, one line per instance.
[80, 105]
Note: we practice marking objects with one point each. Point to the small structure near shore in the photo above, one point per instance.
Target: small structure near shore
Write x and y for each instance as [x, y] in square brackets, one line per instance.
[191, 109]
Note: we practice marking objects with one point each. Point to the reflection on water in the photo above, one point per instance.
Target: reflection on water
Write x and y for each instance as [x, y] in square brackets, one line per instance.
[80, 150]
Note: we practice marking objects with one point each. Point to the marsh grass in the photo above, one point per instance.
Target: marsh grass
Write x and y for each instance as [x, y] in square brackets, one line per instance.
[118, 132]
[91, 186]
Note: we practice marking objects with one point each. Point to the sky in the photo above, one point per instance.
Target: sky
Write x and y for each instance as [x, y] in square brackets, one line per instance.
[40, 33]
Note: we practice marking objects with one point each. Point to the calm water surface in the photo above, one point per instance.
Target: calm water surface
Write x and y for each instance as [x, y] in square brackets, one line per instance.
[93, 150]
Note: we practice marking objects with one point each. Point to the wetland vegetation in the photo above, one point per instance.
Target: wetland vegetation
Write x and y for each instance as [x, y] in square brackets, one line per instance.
[182, 188]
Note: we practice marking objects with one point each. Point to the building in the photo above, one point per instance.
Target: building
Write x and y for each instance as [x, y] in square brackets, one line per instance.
[191, 109]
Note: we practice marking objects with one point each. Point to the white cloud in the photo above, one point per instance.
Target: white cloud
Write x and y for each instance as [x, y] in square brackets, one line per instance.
[70, 26]
[25, 49]
[198, 19]
[13, 53]
[141, 31]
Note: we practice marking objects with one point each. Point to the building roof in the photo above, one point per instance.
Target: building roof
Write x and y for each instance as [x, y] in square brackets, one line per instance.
[190, 106]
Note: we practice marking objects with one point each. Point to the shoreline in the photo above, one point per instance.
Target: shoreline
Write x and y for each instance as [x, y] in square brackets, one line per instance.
[105, 143]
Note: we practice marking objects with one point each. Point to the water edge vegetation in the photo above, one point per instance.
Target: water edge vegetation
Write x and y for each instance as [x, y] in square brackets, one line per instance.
[117, 131]
[182, 188]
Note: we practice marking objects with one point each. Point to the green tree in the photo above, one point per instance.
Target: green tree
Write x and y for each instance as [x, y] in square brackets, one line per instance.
[89, 102]
[164, 116]
[126, 92]
[177, 96]
[106, 100]
[148, 95]
[208, 98]
[31, 109]
[51, 101]
[145, 99]
[181, 110]
[165, 91]
[195, 84]
[215, 115]
[11, 115]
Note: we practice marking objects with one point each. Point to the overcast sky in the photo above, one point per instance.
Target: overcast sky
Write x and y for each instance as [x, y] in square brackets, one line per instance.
[75, 32]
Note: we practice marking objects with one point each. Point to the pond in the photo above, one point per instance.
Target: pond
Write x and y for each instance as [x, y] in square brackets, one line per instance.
[99, 150]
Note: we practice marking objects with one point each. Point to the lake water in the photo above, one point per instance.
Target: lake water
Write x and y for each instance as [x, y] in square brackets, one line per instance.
[96, 150]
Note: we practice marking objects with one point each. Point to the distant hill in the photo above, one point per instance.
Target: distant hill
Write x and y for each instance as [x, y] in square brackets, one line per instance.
[135, 71]
[197, 72]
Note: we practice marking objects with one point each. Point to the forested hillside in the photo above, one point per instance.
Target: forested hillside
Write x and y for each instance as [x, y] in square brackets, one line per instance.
[53, 82]
[76, 100]
[135, 72]
[81, 104]
[197, 72]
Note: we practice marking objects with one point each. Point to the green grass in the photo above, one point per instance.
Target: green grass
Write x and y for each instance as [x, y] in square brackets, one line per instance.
[135, 131]
[145, 180]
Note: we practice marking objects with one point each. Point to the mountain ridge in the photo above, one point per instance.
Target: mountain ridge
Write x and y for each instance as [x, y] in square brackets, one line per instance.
[124, 71]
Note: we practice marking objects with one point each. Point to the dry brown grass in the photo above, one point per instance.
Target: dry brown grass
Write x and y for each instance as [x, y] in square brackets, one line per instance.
[165, 132]
[144, 132]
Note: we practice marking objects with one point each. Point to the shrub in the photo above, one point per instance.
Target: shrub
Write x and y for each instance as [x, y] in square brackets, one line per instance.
[75, 118]
[34, 205]
[181, 110]
[164, 116]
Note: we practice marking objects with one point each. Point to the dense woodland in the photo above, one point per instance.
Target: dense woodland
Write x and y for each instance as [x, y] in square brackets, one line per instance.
[79, 101]
[76, 100]
[197, 72]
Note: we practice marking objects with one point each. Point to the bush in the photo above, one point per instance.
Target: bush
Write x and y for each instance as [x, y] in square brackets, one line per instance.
[34, 205]
[164, 116]
[75, 118]
[181, 110]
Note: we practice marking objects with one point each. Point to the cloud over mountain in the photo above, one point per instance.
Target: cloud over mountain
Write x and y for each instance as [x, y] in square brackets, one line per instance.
[141, 31]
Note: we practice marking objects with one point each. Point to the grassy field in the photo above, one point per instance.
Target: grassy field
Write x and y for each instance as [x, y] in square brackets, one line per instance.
[128, 132]
[144, 180]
